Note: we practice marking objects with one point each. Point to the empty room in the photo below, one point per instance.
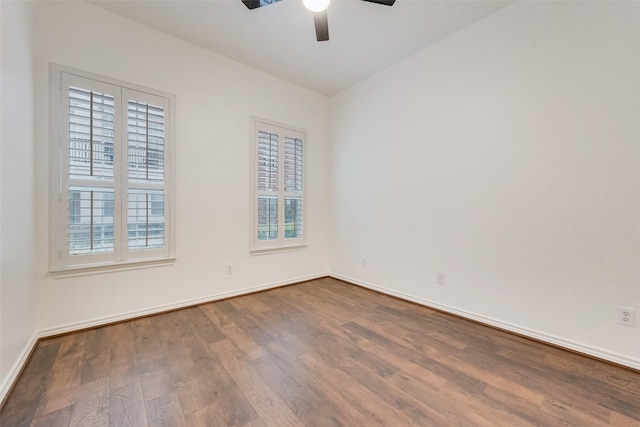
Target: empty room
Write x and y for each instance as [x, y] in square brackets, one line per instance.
[319, 213]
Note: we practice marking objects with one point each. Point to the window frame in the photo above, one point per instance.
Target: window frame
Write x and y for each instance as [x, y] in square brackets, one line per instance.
[281, 244]
[61, 263]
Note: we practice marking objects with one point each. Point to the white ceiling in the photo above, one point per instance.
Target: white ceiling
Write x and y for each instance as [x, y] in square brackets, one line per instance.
[280, 38]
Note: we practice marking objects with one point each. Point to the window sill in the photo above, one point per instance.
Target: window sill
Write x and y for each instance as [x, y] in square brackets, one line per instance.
[266, 251]
[86, 270]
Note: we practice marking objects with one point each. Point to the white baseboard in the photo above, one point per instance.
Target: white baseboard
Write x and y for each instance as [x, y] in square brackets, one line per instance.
[531, 333]
[71, 327]
[8, 382]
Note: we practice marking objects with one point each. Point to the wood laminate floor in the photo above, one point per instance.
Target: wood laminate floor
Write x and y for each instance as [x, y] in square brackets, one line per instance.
[320, 353]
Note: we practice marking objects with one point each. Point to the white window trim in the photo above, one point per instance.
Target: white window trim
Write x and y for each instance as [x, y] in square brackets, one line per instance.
[57, 267]
[269, 247]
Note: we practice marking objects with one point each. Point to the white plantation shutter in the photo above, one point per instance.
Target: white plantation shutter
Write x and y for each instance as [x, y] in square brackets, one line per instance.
[268, 179]
[91, 149]
[268, 161]
[111, 162]
[278, 187]
[89, 180]
[293, 188]
[293, 165]
[91, 221]
[145, 173]
[146, 141]
[91, 121]
[267, 218]
[145, 219]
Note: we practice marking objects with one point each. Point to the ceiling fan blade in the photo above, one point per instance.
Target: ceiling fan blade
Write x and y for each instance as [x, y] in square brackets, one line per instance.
[384, 2]
[322, 26]
[253, 4]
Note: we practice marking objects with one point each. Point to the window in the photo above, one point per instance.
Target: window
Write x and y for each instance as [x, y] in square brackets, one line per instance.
[278, 187]
[111, 166]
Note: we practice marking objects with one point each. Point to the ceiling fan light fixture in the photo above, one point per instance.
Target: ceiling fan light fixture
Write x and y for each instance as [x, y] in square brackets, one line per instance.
[316, 5]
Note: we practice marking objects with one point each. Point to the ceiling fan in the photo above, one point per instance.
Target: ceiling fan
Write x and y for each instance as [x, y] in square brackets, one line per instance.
[319, 7]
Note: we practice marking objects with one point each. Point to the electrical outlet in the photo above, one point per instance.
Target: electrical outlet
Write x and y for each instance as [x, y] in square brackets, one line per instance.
[364, 262]
[626, 316]
[440, 278]
[229, 268]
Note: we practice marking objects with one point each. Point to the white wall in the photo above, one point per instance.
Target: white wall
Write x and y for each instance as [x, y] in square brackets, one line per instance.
[506, 156]
[215, 99]
[17, 311]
